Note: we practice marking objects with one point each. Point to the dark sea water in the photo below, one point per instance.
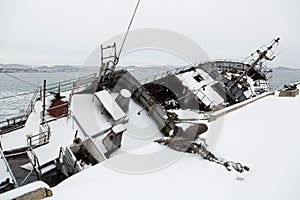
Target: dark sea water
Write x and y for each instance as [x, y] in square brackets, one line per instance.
[284, 76]
[14, 103]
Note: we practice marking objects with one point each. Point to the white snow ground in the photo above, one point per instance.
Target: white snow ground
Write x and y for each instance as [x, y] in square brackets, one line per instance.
[264, 135]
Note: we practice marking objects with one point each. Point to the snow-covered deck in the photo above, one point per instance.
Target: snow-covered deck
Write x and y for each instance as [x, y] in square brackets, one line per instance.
[90, 121]
[264, 135]
[87, 116]
[141, 129]
[110, 105]
[62, 134]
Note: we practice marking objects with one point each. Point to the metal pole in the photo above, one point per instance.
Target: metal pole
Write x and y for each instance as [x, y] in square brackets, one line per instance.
[44, 102]
[41, 93]
[136, 7]
[58, 88]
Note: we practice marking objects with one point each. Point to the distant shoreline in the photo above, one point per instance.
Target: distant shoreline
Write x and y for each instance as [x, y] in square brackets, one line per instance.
[21, 68]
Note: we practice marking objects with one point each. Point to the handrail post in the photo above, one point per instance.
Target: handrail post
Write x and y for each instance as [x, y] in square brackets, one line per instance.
[41, 93]
[154, 78]
[44, 102]
[58, 90]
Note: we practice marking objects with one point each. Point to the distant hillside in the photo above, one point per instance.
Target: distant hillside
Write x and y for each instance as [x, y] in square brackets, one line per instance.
[15, 66]
[67, 68]
[285, 68]
[37, 68]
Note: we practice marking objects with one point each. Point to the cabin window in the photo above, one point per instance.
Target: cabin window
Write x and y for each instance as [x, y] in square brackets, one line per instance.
[198, 78]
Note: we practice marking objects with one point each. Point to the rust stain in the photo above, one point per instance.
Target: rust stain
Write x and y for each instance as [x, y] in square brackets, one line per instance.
[58, 108]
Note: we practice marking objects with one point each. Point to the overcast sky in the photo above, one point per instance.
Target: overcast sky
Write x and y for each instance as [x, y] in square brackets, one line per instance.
[66, 31]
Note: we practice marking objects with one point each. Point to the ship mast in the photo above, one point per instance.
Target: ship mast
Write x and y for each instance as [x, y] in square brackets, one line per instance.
[109, 63]
[262, 55]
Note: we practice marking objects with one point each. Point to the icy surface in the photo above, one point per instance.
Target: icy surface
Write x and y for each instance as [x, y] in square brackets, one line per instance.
[263, 135]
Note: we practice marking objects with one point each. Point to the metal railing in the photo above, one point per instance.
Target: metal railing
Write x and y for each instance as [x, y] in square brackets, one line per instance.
[83, 81]
[67, 158]
[41, 138]
[8, 168]
[67, 85]
[34, 161]
[18, 122]
[162, 75]
[38, 139]
[12, 124]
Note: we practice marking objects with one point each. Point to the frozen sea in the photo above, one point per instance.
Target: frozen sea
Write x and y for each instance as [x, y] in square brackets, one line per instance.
[14, 103]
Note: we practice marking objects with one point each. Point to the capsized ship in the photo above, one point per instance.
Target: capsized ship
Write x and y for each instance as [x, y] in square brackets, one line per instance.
[72, 126]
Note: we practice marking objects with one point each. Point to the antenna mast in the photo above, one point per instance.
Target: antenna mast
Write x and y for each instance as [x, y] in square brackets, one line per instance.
[262, 55]
[108, 63]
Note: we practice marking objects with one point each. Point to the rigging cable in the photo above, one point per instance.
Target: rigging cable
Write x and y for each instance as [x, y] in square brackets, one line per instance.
[28, 93]
[22, 94]
[12, 96]
[20, 79]
[136, 7]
